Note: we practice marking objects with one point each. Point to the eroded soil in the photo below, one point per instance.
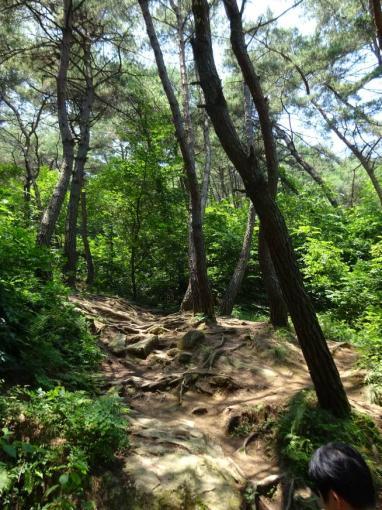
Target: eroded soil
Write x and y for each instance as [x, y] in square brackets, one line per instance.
[191, 443]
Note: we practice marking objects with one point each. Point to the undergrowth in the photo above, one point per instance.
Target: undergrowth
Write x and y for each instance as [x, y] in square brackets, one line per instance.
[52, 439]
[44, 341]
[50, 444]
[366, 336]
[303, 426]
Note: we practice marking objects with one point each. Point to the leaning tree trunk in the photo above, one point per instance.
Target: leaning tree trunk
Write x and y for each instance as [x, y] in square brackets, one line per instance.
[278, 310]
[201, 279]
[241, 266]
[329, 389]
[70, 248]
[52, 211]
[365, 162]
[307, 167]
[242, 263]
[85, 240]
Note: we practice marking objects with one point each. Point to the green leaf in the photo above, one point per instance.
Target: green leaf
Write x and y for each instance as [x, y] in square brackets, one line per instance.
[5, 479]
[9, 449]
[50, 490]
[64, 479]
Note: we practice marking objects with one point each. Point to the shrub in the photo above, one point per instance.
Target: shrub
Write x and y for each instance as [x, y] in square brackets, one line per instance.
[303, 427]
[41, 334]
[51, 442]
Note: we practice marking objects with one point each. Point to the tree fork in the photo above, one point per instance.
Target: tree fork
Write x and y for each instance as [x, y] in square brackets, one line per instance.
[52, 211]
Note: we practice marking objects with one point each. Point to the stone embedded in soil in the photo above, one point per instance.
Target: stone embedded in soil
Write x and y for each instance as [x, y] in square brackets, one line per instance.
[144, 347]
[199, 411]
[185, 357]
[190, 471]
[191, 339]
[157, 330]
[172, 352]
[118, 344]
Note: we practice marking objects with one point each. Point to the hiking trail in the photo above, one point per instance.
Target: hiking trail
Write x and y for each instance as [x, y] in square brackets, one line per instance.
[195, 392]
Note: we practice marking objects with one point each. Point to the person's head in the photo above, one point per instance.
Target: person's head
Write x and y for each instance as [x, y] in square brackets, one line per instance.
[342, 478]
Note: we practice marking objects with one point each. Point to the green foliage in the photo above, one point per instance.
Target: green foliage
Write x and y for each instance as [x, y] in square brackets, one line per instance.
[303, 427]
[51, 443]
[43, 339]
[245, 314]
[138, 224]
[224, 229]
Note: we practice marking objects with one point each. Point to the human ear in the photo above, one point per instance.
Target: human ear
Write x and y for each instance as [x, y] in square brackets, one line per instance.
[337, 502]
[333, 501]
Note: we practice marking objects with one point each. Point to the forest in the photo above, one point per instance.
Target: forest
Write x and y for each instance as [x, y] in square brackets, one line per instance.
[190, 250]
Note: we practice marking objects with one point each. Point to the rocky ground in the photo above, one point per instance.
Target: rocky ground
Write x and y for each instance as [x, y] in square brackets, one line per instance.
[196, 392]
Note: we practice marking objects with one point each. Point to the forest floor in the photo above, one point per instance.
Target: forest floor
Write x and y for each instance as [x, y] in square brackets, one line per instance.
[196, 393]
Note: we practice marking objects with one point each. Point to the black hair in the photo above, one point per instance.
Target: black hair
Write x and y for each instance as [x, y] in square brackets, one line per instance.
[341, 468]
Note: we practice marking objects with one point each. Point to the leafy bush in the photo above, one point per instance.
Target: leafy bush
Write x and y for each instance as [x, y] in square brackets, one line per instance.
[41, 334]
[303, 427]
[50, 444]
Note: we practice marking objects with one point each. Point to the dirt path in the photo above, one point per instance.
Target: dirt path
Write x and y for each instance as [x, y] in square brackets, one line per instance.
[189, 404]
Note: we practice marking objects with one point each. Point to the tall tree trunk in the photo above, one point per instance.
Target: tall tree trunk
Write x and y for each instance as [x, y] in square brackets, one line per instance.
[70, 248]
[241, 266]
[85, 240]
[329, 389]
[277, 306]
[365, 162]
[52, 211]
[278, 311]
[242, 263]
[27, 193]
[207, 162]
[200, 276]
[192, 299]
[189, 302]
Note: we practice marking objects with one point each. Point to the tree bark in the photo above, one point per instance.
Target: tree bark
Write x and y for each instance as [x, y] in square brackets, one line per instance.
[329, 389]
[200, 276]
[85, 240]
[365, 162]
[242, 263]
[307, 167]
[52, 211]
[241, 266]
[376, 12]
[192, 299]
[278, 309]
[207, 162]
[70, 247]
[188, 303]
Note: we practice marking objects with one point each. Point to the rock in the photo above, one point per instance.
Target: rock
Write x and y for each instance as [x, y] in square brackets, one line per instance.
[199, 411]
[171, 353]
[185, 357]
[133, 339]
[191, 472]
[190, 339]
[157, 330]
[98, 326]
[117, 344]
[144, 347]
